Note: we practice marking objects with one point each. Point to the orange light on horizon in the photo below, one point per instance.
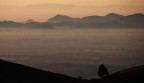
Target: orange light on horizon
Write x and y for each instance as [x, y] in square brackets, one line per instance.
[41, 10]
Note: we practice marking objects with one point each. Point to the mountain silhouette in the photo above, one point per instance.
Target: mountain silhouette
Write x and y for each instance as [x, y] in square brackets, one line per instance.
[114, 15]
[134, 20]
[39, 25]
[101, 19]
[29, 21]
[62, 18]
[16, 73]
[64, 21]
[8, 24]
[110, 20]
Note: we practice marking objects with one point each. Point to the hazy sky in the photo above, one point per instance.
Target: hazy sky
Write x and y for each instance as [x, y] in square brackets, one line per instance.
[41, 10]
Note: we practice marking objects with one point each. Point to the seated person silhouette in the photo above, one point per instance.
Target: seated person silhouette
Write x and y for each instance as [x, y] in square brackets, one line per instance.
[102, 71]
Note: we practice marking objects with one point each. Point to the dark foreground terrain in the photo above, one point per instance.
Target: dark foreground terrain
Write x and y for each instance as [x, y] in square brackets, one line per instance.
[16, 73]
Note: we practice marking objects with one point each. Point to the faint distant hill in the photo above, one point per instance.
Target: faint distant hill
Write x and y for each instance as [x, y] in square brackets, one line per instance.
[8, 24]
[29, 21]
[38, 25]
[27, 24]
[63, 21]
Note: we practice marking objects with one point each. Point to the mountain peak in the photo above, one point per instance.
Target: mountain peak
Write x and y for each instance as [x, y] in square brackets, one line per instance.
[29, 21]
[112, 14]
[137, 14]
[60, 15]
[60, 18]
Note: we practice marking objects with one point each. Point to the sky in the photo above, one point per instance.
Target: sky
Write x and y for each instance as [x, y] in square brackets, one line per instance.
[42, 10]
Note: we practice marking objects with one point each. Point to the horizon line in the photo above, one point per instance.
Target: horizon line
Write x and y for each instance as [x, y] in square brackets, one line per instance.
[77, 17]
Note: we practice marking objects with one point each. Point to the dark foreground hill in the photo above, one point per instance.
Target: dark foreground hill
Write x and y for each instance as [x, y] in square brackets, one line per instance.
[16, 73]
[131, 75]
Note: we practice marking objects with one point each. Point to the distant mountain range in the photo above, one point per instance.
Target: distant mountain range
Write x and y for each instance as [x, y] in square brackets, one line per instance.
[62, 21]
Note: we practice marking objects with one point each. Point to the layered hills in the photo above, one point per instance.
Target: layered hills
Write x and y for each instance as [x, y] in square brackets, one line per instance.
[110, 20]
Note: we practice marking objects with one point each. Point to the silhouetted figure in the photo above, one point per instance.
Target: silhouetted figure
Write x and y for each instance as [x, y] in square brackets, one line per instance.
[102, 71]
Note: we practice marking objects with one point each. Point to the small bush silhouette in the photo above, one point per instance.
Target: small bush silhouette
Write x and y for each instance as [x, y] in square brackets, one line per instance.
[102, 71]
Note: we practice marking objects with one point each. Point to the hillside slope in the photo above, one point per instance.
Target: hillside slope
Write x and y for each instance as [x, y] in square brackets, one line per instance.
[16, 73]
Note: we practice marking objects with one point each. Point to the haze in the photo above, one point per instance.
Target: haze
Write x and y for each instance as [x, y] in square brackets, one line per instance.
[41, 10]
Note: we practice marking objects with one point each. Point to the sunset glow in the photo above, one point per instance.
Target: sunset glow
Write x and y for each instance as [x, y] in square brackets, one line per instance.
[41, 10]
